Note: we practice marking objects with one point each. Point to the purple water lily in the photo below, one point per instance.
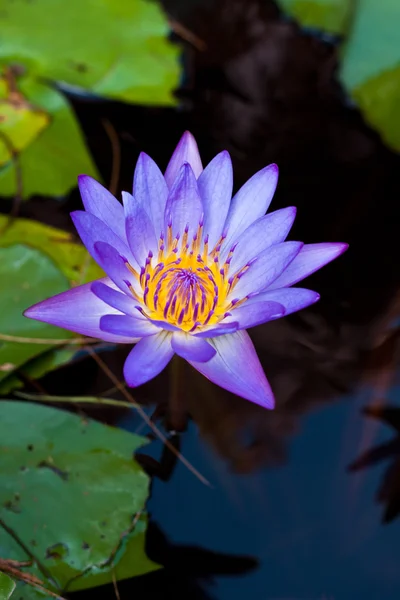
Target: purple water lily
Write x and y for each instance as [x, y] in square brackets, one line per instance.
[189, 268]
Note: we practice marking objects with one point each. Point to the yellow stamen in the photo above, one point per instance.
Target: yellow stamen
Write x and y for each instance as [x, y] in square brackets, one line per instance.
[184, 288]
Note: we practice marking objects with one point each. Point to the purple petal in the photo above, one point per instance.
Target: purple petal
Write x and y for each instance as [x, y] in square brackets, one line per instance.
[122, 302]
[236, 368]
[127, 326]
[251, 202]
[115, 267]
[215, 187]
[165, 325]
[192, 348]
[260, 235]
[266, 268]
[250, 315]
[185, 152]
[150, 190]
[148, 358]
[219, 329]
[101, 203]
[311, 258]
[184, 207]
[292, 299]
[139, 229]
[92, 230]
[77, 310]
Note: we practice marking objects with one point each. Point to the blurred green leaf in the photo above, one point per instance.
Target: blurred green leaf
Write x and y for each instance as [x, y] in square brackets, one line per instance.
[73, 505]
[52, 162]
[20, 124]
[74, 263]
[72, 259]
[331, 16]
[370, 68]
[31, 276]
[113, 48]
[7, 586]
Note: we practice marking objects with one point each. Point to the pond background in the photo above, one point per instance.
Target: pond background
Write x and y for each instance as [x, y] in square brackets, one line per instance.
[284, 518]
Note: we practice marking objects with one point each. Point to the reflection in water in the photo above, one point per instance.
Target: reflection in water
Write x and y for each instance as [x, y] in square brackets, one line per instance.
[389, 490]
[189, 571]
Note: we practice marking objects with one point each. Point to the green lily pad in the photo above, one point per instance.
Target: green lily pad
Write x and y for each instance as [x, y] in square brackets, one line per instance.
[31, 276]
[50, 164]
[75, 264]
[71, 258]
[20, 124]
[114, 48]
[370, 69]
[7, 586]
[75, 506]
[331, 16]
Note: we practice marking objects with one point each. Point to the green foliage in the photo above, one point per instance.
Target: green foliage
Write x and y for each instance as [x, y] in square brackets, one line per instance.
[47, 263]
[111, 48]
[370, 55]
[49, 164]
[71, 258]
[7, 586]
[329, 15]
[75, 506]
[370, 67]
[31, 276]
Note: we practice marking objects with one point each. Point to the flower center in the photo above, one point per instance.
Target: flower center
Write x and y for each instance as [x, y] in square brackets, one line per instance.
[185, 287]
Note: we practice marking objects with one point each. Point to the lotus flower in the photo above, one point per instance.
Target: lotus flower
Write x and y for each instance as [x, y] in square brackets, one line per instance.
[189, 269]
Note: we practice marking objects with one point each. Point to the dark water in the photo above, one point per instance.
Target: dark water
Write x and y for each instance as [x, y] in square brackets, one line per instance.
[284, 518]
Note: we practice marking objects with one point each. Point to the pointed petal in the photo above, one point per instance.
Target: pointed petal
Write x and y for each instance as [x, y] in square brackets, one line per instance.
[215, 187]
[236, 368]
[184, 207]
[219, 329]
[292, 299]
[250, 315]
[260, 235]
[98, 201]
[92, 230]
[251, 202]
[192, 348]
[185, 152]
[165, 325]
[150, 190]
[311, 258]
[263, 271]
[122, 302]
[127, 326]
[77, 310]
[148, 358]
[139, 229]
[115, 266]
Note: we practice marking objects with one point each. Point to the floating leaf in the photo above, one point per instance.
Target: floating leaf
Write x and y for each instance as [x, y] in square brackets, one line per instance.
[370, 68]
[20, 124]
[7, 586]
[74, 262]
[51, 164]
[114, 48]
[73, 505]
[331, 16]
[30, 276]
[72, 259]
